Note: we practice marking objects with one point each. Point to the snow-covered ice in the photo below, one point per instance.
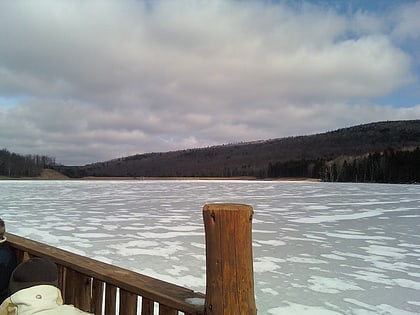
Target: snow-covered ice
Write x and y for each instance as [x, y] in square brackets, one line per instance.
[319, 248]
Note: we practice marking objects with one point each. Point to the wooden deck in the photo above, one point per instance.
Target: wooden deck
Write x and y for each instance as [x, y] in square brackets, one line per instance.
[105, 289]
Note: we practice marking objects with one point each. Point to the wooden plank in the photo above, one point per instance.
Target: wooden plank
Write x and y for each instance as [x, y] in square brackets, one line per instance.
[141, 285]
[62, 271]
[147, 306]
[128, 303]
[110, 299]
[97, 296]
[70, 288]
[77, 290]
[166, 310]
[82, 294]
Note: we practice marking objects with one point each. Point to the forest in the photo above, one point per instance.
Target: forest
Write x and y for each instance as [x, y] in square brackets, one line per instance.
[389, 166]
[16, 165]
[375, 152]
[383, 152]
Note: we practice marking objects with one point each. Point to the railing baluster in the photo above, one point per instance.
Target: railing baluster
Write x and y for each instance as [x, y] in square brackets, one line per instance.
[82, 296]
[110, 299]
[62, 278]
[147, 306]
[70, 288]
[128, 303]
[97, 296]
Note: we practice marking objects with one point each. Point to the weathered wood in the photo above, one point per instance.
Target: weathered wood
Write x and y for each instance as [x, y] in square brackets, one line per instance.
[76, 289]
[97, 296]
[70, 286]
[128, 303]
[82, 293]
[147, 307]
[110, 299]
[141, 285]
[166, 310]
[229, 264]
[62, 279]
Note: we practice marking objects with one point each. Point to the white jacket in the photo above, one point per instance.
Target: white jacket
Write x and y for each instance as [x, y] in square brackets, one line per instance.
[40, 300]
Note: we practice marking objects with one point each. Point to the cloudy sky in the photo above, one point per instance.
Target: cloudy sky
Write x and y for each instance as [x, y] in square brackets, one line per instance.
[88, 81]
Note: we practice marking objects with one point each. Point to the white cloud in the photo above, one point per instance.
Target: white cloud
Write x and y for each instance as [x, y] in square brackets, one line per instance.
[101, 79]
[407, 22]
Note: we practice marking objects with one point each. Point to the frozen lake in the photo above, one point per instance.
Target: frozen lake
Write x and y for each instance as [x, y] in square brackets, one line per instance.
[319, 248]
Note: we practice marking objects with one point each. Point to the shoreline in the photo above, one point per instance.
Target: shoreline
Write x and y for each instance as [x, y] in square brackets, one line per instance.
[48, 174]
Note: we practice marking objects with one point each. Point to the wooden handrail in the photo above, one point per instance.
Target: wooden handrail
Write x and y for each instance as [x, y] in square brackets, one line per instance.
[150, 288]
[102, 288]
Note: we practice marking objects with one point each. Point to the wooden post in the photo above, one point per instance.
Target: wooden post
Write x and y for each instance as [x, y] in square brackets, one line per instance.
[229, 262]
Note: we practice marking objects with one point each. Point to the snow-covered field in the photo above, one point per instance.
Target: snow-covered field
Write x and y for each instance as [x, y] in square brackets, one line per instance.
[319, 248]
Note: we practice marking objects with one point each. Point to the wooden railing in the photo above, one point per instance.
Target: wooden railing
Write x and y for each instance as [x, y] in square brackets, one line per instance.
[104, 289]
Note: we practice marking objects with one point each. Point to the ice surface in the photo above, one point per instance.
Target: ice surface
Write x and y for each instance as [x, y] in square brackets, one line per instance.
[334, 218]
[293, 308]
[319, 248]
[331, 285]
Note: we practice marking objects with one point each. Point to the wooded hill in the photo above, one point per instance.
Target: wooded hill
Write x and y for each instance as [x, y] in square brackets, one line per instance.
[359, 153]
[15, 166]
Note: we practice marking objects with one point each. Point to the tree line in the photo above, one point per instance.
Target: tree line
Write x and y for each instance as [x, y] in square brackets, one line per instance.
[389, 166]
[340, 155]
[16, 165]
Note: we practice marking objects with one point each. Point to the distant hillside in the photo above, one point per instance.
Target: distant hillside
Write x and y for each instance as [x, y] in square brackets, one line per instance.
[302, 155]
[14, 165]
